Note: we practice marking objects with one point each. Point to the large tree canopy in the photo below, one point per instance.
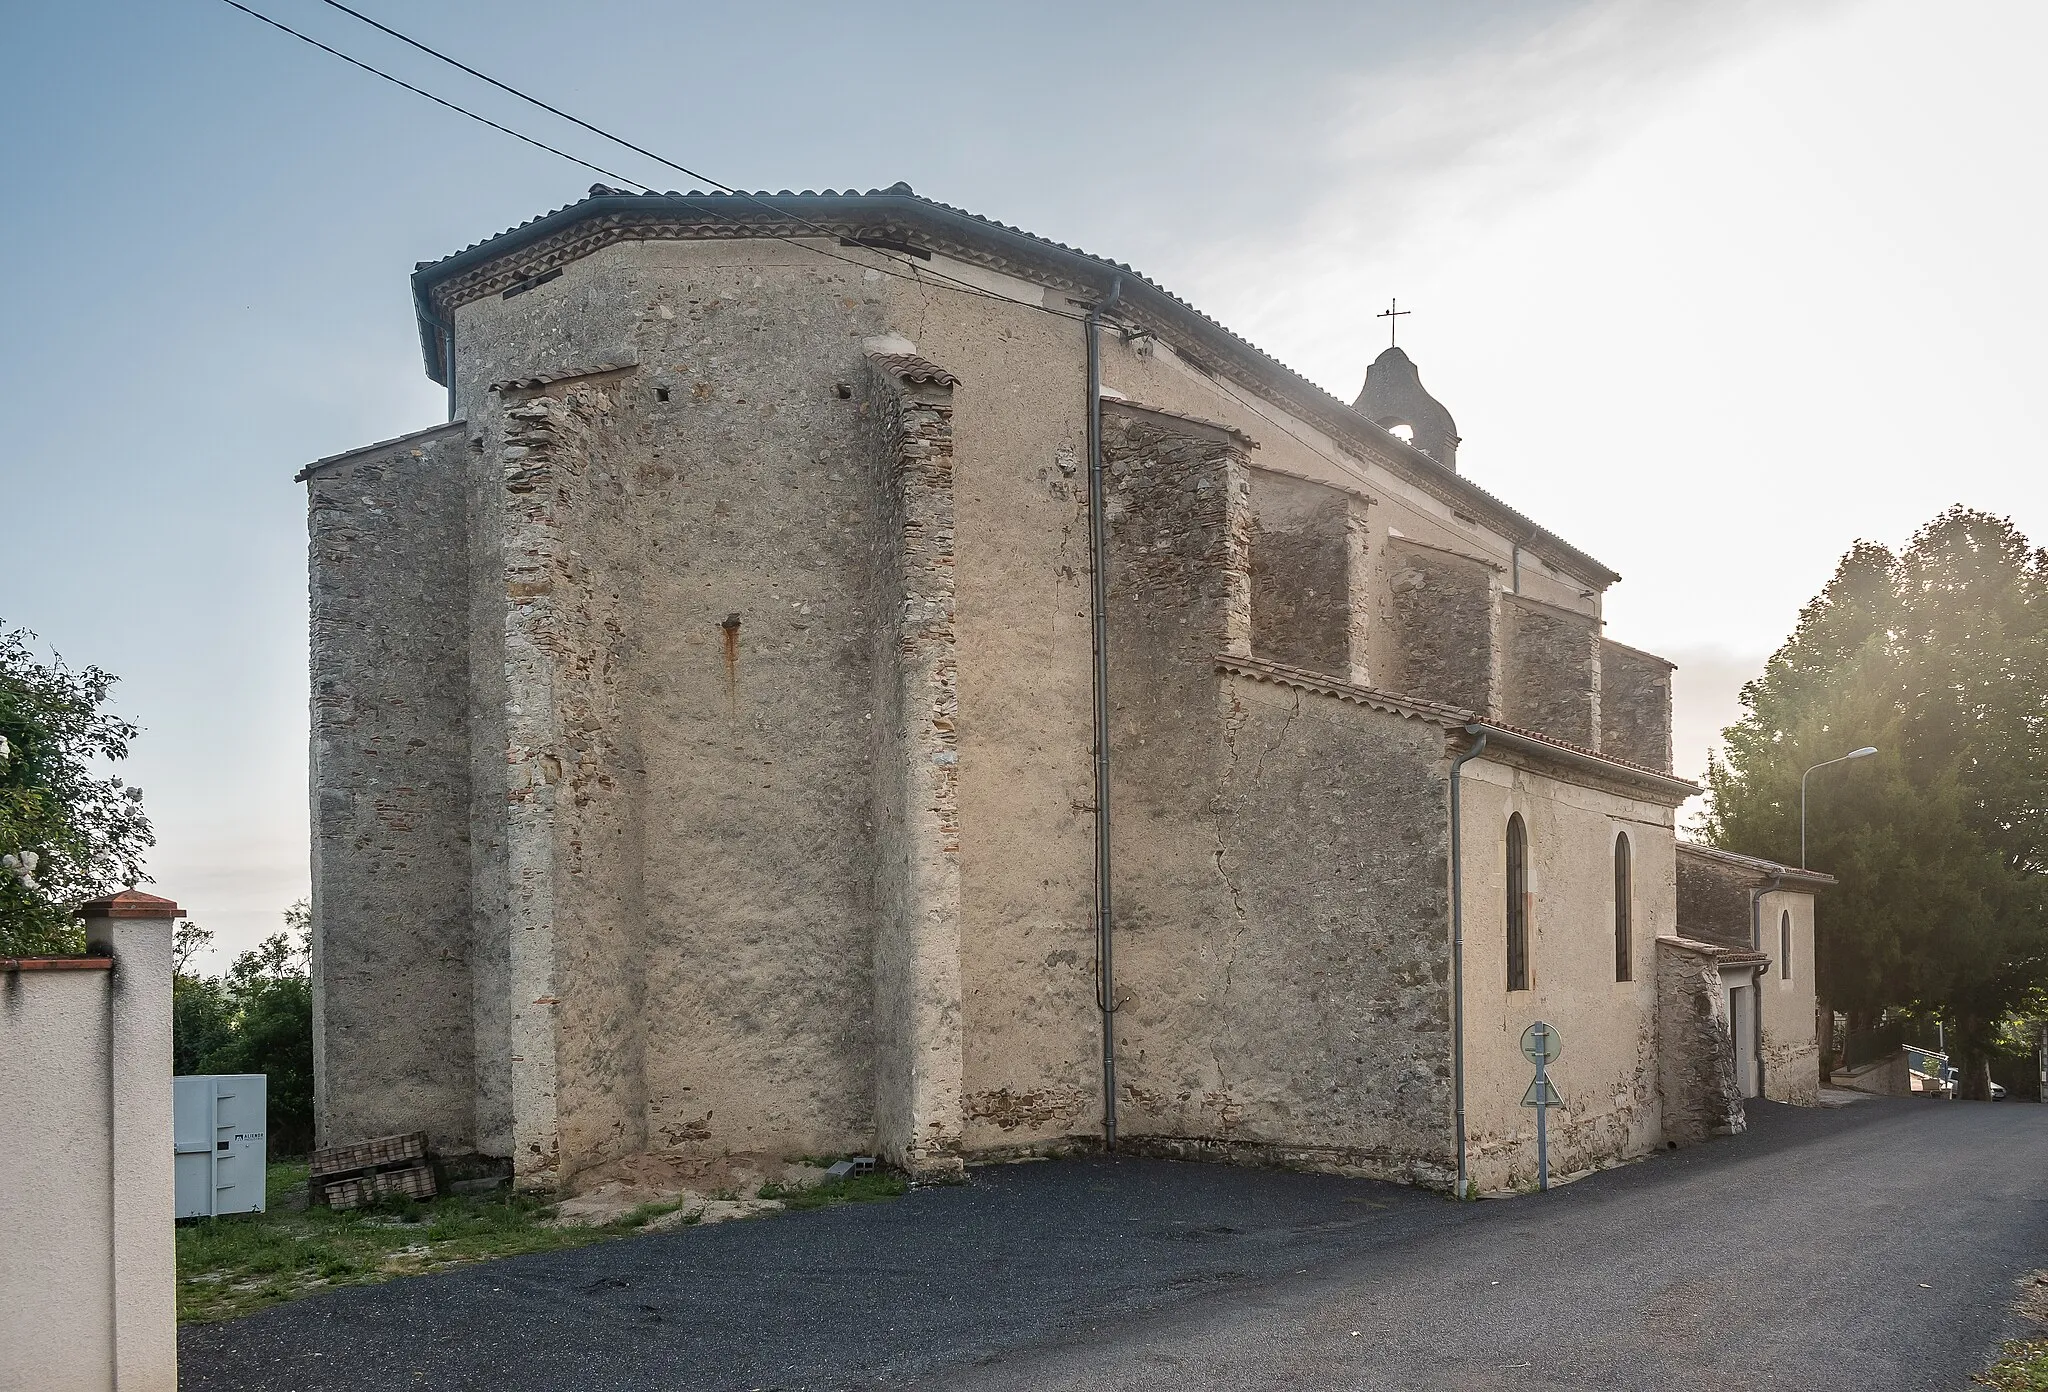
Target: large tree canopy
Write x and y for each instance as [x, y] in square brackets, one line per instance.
[1939, 657]
[67, 833]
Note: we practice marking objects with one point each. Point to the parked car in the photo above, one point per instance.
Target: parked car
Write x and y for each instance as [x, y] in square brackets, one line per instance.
[1951, 1083]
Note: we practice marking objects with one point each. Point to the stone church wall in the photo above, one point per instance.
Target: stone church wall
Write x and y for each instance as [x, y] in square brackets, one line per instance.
[576, 914]
[1635, 706]
[1279, 899]
[1305, 544]
[916, 809]
[717, 991]
[1713, 902]
[390, 780]
[1607, 1074]
[1446, 626]
[1695, 1051]
[1551, 677]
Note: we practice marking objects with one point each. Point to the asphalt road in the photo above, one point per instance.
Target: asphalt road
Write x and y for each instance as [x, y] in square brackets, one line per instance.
[1872, 1247]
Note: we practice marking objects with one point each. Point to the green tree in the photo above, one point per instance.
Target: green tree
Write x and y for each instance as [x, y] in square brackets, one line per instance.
[66, 833]
[202, 1019]
[1939, 657]
[257, 1017]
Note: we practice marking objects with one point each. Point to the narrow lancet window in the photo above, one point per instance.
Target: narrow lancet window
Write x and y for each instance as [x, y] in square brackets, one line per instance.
[1518, 904]
[1785, 944]
[1624, 907]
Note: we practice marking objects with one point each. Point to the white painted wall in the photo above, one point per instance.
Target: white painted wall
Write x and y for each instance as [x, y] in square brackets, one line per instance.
[87, 1261]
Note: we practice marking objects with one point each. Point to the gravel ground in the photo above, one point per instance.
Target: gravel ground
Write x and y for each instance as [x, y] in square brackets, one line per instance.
[1870, 1247]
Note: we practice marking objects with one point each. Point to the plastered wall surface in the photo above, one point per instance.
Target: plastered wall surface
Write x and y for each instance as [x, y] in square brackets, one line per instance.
[389, 640]
[1791, 1043]
[1030, 1052]
[87, 1268]
[53, 1075]
[719, 649]
[1607, 1074]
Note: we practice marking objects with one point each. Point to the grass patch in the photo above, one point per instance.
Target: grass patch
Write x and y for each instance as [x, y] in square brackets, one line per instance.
[867, 1188]
[234, 1266]
[2022, 1366]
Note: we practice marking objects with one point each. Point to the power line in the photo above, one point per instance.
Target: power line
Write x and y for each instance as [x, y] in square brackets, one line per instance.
[438, 101]
[941, 281]
[917, 273]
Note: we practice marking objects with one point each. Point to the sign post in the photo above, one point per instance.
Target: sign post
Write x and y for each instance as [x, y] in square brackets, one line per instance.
[1541, 1046]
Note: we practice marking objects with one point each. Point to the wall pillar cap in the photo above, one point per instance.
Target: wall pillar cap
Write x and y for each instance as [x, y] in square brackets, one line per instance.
[130, 903]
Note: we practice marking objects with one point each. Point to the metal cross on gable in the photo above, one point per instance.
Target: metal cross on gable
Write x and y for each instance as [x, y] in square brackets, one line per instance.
[1392, 314]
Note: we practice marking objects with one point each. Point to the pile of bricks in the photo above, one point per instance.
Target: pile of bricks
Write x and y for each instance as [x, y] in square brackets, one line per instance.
[350, 1176]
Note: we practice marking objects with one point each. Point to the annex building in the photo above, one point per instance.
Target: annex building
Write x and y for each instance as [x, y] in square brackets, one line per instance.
[706, 723]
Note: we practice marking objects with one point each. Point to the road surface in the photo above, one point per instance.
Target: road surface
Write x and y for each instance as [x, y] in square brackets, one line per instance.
[1872, 1247]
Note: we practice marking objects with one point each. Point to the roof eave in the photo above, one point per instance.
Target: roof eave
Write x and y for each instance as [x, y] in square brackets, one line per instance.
[1140, 298]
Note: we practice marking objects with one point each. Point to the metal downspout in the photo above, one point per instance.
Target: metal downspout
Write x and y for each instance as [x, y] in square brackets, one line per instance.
[1098, 604]
[1458, 947]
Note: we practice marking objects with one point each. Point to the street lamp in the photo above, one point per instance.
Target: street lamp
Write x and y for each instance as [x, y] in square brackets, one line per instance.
[1864, 753]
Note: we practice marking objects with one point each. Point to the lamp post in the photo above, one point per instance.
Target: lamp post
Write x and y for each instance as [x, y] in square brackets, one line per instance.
[1864, 753]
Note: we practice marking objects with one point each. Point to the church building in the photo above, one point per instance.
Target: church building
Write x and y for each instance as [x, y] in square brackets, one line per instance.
[854, 676]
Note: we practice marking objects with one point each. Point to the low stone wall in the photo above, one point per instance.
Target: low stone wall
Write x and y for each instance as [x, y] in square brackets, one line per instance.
[1695, 1051]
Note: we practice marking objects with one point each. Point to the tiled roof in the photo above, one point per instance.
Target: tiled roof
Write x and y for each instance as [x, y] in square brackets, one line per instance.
[1258, 669]
[1762, 869]
[1567, 745]
[899, 213]
[302, 475]
[909, 367]
[1450, 717]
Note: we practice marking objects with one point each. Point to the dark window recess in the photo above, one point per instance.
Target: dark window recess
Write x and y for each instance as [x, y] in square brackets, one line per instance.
[1624, 908]
[661, 393]
[520, 287]
[843, 390]
[887, 244]
[1785, 944]
[1518, 904]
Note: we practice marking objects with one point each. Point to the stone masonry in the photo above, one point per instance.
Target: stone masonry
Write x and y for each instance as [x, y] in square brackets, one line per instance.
[702, 748]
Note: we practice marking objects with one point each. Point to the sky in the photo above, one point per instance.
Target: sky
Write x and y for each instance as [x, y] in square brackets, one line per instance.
[1712, 290]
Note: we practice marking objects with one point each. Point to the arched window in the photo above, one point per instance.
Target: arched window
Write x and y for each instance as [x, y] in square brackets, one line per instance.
[1785, 944]
[1518, 904]
[1624, 907]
